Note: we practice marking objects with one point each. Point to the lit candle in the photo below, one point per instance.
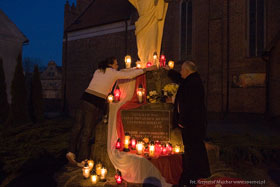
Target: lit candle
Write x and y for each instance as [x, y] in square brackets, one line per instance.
[86, 171]
[169, 148]
[149, 64]
[151, 150]
[140, 93]
[103, 174]
[94, 179]
[90, 164]
[155, 59]
[126, 142]
[110, 98]
[118, 177]
[117, 93]
[98, 168]
[133, 143]
[155, 55]
[162, 60]
[118, 144]
[140, 96]
[157, 147]
[171, 64]
[164, 150]
[139, 148]
[127, 60]
[138, 64]
[177, 149]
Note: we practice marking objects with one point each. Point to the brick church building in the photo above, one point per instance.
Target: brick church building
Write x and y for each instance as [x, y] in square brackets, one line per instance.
[236, 45]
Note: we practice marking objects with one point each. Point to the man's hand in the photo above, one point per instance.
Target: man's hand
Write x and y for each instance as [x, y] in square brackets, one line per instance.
[166, 68]
[181, 126]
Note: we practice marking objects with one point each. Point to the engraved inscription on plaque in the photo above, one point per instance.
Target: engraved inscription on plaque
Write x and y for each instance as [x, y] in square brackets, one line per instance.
[153, 124]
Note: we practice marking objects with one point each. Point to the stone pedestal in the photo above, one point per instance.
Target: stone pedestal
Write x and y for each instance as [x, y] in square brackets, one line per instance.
[156, 80]
[153, 121]
[99, 149]
[149, 120]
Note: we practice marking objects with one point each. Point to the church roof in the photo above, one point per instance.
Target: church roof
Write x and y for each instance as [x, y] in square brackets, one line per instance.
[102, 12]
[9, 30]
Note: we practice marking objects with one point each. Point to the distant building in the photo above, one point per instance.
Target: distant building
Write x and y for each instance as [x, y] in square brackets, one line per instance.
[11, 42]
[234, 43]
[51, 80]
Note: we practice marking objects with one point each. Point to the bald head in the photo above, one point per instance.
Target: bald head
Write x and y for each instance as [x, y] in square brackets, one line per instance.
[190, 66]
[187, 68]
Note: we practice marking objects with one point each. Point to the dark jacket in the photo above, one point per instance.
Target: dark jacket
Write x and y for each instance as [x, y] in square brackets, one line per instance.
[191, 104]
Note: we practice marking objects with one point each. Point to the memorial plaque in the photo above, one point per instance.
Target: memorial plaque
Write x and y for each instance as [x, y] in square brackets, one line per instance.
[151, 120]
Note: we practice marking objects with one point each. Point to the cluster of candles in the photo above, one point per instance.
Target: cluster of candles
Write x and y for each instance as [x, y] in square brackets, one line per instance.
[97, 174]
[116, 95]
[152, 148]
[161, 62]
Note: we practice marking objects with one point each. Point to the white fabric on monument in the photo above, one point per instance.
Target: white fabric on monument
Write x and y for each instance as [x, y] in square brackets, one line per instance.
[134, 168]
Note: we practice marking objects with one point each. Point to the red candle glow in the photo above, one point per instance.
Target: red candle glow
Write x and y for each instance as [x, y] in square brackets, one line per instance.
[119, 180]
[157, 147]
[169, 148]
[162, 60]
[133, 143]
[149, 64]
[118, 177]
[117, 94]
[118, 144]
[164, 150]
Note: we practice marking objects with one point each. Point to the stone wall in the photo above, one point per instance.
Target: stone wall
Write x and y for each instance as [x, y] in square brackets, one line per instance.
[84, 55]
[221, 54]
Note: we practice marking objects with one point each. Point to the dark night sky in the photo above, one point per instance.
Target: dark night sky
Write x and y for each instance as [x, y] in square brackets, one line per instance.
[42, 22]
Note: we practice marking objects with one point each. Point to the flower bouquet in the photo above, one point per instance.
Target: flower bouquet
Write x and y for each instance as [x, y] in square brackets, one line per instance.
[153, 97]
[170, 91]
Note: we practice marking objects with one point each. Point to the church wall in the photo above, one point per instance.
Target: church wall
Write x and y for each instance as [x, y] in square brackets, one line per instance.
[273, 28]
[171, 33]
[84, 56]
[215, 66]
[274, 87]
[273, 19]
[211, 50]
[250, 100]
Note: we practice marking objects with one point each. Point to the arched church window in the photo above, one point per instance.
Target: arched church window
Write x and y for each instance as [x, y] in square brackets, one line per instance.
[256, 20]
[186, 29]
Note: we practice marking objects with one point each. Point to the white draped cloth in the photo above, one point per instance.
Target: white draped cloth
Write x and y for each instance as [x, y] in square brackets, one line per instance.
[134, 168]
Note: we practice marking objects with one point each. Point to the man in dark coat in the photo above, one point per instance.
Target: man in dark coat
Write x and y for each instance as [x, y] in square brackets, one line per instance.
[190, 116]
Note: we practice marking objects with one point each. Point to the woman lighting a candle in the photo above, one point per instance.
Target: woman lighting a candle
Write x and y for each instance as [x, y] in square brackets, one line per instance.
[94, 102]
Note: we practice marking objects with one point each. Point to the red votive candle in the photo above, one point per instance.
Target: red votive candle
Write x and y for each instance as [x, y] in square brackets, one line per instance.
[133, 143]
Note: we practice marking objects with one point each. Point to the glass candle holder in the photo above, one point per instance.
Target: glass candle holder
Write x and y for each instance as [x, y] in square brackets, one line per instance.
[103, 174]
[98, 168]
